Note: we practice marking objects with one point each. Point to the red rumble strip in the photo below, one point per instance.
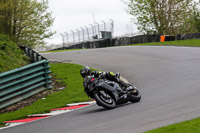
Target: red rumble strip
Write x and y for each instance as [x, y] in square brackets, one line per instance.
[26, 120]
[71, 107]
[53, 112]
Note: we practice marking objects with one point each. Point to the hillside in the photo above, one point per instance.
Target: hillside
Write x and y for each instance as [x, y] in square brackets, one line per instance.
[11, 56]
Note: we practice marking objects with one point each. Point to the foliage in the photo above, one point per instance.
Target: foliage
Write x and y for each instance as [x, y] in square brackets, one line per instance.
[196, 18]
[163, 16]
[11, 56]
[26, 22]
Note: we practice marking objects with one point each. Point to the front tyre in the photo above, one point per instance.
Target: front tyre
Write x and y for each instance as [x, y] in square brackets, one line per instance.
[135, 96]
[104, 99]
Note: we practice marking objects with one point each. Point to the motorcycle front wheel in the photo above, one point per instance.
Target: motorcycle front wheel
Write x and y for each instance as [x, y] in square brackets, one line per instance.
[135, 96]
[103, 98]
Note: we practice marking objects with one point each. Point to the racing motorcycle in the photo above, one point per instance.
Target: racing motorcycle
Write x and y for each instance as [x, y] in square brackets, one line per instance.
[108, 93]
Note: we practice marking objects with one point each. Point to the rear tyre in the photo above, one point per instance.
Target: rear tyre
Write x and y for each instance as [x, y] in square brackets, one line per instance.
[104, 99]
[135, 96]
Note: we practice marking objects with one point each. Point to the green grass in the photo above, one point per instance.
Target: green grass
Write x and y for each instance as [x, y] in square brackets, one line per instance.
[190, 43]
[191, 126]
[53, 51]
[70, 76]
[11, 56]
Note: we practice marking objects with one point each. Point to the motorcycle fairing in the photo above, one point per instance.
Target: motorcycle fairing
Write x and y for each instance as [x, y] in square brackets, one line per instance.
[107, 86]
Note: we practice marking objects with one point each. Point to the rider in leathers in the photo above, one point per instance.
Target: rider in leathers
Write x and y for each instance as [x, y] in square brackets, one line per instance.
[86, 71]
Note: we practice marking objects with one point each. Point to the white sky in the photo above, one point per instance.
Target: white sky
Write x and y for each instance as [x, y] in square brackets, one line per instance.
[73, 14]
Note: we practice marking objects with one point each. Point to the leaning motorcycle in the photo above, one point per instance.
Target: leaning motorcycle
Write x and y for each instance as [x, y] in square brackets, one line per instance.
[108, 93]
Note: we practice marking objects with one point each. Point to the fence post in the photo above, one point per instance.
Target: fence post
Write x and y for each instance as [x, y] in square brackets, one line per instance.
[46, 75]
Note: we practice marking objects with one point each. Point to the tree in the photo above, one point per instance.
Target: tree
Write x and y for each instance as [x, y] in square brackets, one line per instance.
[196, 17]
[27, 22]
[161, 16]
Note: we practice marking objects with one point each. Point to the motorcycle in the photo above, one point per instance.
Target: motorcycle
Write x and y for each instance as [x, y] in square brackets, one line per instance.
[108, 93]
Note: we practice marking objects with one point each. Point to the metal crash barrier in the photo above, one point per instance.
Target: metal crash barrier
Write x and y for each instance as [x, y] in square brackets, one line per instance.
[23, 82]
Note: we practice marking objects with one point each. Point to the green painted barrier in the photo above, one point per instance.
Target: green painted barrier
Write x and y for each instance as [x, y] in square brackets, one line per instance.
[23, 82]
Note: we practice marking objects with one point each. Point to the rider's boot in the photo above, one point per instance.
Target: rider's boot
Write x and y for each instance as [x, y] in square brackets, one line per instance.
[126, 87]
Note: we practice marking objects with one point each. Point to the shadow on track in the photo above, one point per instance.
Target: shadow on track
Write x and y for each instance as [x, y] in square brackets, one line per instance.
[99, 109]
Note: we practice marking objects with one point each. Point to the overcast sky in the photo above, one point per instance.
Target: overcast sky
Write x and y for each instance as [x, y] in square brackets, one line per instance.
[73, 14]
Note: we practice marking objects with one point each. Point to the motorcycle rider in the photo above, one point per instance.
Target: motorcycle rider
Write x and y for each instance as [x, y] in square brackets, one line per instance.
[86, 71]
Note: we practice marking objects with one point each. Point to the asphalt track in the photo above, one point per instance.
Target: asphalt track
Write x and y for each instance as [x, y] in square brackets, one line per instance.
[167, 77]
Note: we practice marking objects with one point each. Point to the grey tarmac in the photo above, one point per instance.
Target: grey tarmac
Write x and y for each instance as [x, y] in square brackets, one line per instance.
[167, 77]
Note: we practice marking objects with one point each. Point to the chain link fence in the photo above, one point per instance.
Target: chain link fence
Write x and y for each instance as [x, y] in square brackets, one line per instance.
[98, 30]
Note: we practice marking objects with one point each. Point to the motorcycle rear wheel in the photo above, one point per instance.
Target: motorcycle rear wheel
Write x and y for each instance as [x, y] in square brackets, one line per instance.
[103, 98]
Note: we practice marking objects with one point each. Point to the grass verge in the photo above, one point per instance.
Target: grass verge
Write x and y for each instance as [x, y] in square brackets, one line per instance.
[66, 73]
[191, 126]
[54, 51]
[11, 56]
[190, 43]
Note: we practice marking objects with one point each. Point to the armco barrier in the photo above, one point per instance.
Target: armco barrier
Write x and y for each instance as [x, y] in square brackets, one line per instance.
[34, 56]
[23, 82]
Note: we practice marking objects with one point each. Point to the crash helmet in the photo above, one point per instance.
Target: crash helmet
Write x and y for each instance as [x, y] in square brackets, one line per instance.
[85, 71]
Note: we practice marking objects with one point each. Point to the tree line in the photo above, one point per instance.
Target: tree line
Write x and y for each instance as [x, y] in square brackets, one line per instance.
[167, 17]
[26, 22]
